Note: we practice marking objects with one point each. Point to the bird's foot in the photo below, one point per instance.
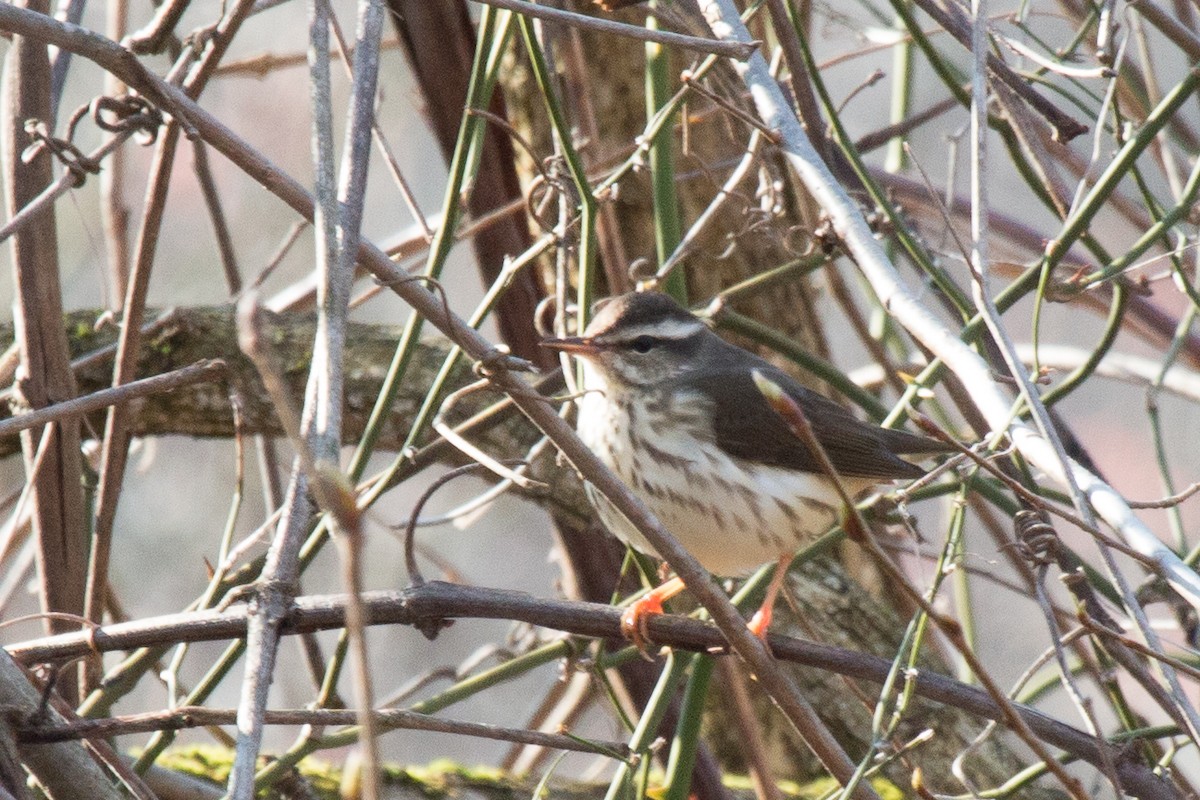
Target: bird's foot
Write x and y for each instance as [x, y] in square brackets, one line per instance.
[635, 621]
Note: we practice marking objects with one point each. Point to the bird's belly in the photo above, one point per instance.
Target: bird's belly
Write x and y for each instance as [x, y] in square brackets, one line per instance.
[732, 516]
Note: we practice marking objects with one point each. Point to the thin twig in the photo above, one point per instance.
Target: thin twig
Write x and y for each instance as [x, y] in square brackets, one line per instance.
[212, 202]
[338, 222]
[415, 578]
[877, 138]
[55, 500]
[389, 158]
[200, 372]
[991, 315]
[1017, 488]
[1051, 65]
[451, 435]
[261, 65]
[690, 240]
[153, 37]
[751, 739]
[738, 50]
[394, 719]
[164, 320]
[117, 425]
[951, 18]
[114, 209]
[1108, 633]
[728, 107]
[793, 416]
[1169, 501]
[985, 305]
[70, 179]
[282, 562]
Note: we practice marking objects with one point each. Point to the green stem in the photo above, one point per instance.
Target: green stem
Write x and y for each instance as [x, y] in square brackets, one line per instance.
[1116, 315]
[494, 30]
[1185, 206]
[668, 228]
[1119, 168]
[647, 729]
[199, 694]
[902, 87]
[1174, 517]
[583, 189]
[900, 227]
[682, 760]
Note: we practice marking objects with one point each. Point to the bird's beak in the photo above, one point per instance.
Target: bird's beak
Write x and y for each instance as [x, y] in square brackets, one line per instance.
[579, 345]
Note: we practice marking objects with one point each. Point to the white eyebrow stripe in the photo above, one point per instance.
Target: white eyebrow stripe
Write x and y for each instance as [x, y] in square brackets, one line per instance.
[674, 329]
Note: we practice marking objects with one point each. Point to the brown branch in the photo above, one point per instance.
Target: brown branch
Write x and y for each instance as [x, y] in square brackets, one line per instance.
[117, 428]
[697, 43]
[57, 503]
[1183, 38]
[438, 601]
[70, 179]
[63, 770]
[216, 213]
[199, 372]
[391, 719]
[153, 38]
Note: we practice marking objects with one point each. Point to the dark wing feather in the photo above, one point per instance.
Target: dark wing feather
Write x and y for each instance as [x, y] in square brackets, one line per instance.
[747, 427]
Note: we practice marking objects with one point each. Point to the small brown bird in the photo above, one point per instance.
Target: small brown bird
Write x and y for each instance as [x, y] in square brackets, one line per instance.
[675, 412]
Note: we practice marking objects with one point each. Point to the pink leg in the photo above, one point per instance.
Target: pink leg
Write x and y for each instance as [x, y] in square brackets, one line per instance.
[761, 621]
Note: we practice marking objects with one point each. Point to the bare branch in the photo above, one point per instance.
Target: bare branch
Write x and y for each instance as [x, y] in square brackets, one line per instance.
[438, 601]
[738, 50]
[196, 373]
[387, 720]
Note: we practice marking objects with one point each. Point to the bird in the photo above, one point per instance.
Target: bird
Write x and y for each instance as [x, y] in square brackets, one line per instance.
[677, 413]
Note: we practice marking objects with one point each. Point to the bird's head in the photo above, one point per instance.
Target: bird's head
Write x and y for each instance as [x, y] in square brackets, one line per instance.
[639, 339]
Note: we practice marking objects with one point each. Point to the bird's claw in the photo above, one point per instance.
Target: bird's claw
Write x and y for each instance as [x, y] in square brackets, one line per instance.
[635, 622]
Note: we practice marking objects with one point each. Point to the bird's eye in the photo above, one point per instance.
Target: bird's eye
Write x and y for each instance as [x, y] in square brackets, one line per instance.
[643, 344]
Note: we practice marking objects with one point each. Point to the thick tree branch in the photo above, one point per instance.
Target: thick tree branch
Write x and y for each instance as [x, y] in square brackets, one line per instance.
[190, 335]
[63, 770]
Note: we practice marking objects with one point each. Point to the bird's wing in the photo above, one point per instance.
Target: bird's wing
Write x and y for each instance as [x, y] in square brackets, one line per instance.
[747, 427]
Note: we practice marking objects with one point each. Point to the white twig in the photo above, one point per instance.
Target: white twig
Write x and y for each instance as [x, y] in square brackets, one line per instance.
[1117, 366]
[995, 404]
[337, 219]
[1041, 417]
[453, 437]
[335, 306]
[981, 292]
[1053, 66]
[690, 239]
